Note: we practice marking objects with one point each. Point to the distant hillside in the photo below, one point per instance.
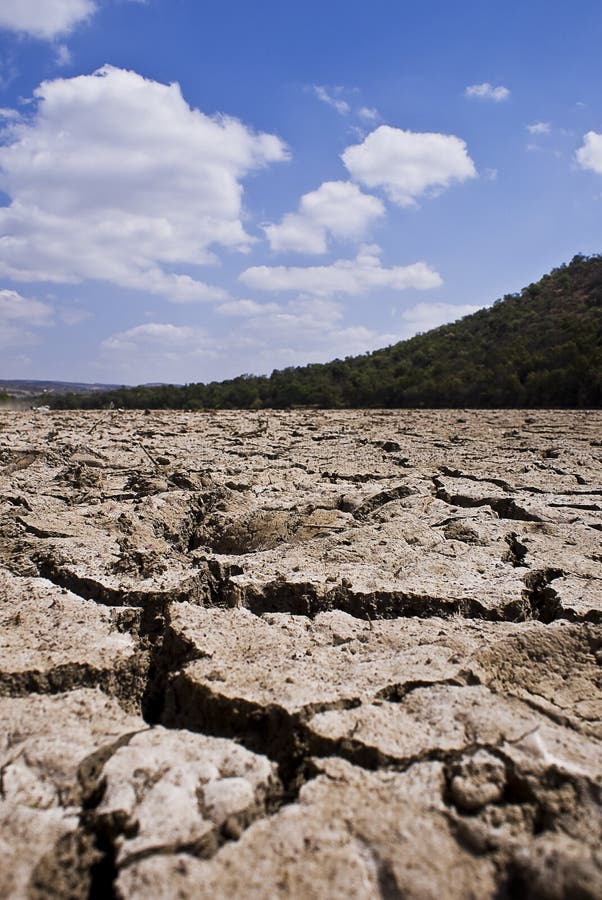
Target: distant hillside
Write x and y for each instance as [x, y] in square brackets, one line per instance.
[539, 348]
[23, 388]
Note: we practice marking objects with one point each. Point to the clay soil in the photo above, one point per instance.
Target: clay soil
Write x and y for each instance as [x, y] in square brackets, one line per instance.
[301, 654]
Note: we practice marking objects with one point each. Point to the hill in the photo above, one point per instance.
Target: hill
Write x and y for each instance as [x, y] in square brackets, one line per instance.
[539, 348]
[23, 388]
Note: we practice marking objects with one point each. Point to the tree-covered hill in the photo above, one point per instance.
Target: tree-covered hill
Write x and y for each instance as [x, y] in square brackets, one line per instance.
[539, 348]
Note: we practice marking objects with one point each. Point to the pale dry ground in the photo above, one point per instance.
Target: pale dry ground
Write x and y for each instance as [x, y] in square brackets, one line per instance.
[301, 654]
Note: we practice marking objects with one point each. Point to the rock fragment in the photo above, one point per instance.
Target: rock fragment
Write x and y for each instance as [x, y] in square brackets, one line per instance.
[352, 652]
[48, 748]
[53, 641]
[168, 791]
[352, 833]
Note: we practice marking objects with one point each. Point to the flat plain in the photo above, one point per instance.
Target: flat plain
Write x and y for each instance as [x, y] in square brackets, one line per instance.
[306, 654]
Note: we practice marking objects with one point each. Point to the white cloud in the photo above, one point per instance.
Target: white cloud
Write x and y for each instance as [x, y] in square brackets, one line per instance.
[165, 335]
[305, 330]
[368, 113]
[539, 128]
[157, 351]
[486, 91]
[337, 209]
[8, 69]
[351, 277]
[177, 288]
[332, 98]
[16, 308]
[63, 55]
[589, 156]
[406, 164]
[115, 177]
[309, 329]
[18, 316]
[302, 316]
[73, 315]
[246, 308]
[424, 316]
[45, 19]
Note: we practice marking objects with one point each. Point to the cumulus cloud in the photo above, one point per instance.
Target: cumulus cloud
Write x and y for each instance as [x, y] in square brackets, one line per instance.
[169, 337]
[158, 351]
[267, 336]
[115, 177]
[539, 128]
[486, 91]
[336, 209]
[246, 308]
[424, 316]
[332, 98]
[350, 277]
[300, 317]
[45, 19]
[305, 330]
[589, 155]
[19, 316]
[406, 164]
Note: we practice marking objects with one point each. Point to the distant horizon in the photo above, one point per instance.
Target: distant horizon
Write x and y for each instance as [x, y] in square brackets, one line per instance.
[249, 188]
[112, 385]
[100, 384]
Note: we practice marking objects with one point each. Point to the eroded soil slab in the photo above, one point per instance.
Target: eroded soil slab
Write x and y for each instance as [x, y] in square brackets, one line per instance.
[301, 654]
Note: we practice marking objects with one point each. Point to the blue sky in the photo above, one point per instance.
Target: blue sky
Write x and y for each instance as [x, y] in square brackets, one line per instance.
[191, 190]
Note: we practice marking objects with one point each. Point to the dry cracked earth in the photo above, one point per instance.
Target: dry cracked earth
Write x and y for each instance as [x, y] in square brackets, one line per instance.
[301, 654]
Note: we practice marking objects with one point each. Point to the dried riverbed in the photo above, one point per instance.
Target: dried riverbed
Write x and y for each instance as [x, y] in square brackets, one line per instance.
[301, 654]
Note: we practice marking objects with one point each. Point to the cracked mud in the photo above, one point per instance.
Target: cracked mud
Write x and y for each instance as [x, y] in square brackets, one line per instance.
[301, 654]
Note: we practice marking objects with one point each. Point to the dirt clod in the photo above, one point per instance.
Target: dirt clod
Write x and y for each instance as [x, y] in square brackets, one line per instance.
[343, 654]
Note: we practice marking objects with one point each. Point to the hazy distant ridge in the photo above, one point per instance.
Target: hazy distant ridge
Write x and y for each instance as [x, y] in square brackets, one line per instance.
[24, 388]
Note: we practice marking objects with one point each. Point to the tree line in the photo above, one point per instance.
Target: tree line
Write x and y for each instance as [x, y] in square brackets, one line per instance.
[541, 347]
